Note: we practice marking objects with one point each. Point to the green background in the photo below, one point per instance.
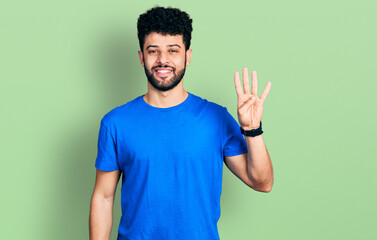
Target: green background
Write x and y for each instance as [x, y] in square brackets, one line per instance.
[64, 64]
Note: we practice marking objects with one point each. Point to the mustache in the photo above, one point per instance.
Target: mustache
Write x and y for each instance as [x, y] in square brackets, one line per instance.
[163, 66]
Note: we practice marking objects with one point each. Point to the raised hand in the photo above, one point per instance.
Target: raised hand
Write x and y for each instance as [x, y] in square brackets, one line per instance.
[249, 106]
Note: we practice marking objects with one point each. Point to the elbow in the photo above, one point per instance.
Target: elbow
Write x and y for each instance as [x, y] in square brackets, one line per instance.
[266, 189]
[265, 186]
[261, 183]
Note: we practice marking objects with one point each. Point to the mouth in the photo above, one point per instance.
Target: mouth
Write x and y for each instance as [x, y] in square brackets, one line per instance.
[163, 72]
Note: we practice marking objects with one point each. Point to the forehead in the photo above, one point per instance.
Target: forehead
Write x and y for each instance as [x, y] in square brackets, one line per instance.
[163, 40]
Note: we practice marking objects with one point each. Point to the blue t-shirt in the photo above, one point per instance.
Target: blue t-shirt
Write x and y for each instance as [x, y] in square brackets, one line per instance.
[172, 165]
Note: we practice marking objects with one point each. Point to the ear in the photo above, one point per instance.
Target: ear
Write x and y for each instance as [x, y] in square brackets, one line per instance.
[141, 57]
[188, 57]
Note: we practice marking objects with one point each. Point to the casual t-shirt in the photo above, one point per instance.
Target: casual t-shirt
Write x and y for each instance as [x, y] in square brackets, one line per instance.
[172, 165]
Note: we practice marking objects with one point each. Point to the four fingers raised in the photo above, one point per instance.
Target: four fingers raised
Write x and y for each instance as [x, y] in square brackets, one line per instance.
[246, 86]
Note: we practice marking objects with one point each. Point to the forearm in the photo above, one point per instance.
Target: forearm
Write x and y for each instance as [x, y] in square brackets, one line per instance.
[259, 166]
[101, 218]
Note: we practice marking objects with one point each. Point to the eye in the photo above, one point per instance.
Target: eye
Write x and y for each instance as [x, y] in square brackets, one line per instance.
[173, 50]
[152, 51]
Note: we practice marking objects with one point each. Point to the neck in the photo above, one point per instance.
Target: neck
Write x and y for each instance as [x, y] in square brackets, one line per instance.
[165, 99]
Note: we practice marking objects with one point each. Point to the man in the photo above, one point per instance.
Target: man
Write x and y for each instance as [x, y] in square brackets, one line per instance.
[170, 145]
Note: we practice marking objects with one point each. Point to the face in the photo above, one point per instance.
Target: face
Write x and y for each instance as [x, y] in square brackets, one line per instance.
[164, 59]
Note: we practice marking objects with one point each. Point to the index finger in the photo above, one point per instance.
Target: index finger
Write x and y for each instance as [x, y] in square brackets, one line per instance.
[237, 83]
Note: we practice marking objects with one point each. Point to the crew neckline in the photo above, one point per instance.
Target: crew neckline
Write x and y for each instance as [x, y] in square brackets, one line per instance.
[180, 105]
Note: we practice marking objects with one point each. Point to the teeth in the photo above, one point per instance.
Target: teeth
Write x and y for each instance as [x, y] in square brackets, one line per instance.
[163, 71]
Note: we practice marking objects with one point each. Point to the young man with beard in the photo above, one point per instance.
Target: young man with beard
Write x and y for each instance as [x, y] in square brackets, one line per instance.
[170, 145]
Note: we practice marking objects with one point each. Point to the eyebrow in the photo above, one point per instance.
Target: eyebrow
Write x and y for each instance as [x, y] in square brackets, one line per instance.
[171, 45]
[151, 46]
[174, 45]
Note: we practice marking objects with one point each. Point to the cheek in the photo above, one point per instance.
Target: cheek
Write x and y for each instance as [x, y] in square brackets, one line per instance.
[147, 63]
[180, 61]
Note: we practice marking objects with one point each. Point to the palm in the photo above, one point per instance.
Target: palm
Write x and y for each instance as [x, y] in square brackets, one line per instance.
[249, 106]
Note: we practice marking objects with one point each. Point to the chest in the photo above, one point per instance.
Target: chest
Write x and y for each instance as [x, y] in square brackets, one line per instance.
[169, 142]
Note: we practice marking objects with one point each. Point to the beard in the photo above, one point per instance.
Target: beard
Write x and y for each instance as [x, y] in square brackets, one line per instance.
[165, 85]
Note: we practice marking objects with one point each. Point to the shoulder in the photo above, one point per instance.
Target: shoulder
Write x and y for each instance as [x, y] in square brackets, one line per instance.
[121, 112]
[214, 111]
[208, 106]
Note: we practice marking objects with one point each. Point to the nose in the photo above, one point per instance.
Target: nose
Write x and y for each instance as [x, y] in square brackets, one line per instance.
[162, 58]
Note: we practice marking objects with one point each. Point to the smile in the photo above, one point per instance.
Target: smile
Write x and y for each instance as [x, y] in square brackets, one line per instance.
[163, 71]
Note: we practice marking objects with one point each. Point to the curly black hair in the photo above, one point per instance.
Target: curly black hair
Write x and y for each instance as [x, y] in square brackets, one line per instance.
[162, 20]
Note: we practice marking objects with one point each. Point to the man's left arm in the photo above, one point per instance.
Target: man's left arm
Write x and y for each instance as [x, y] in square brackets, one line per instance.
[254, 168]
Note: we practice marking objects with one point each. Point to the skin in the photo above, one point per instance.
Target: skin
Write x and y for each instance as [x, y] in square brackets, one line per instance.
[253, 168]
[163, 81]
[169, 51]
[101, 205]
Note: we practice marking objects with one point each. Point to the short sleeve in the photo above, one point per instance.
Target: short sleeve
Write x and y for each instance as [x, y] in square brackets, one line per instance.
[107, 154]
[234, 142]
